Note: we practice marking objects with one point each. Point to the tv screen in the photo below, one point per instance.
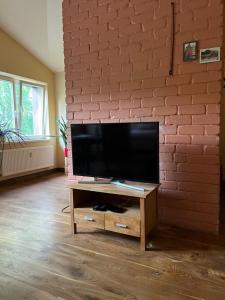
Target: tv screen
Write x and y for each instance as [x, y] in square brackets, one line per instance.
[123, 151]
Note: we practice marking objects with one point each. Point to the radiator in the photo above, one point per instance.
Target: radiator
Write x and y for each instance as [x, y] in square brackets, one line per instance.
[22, 160]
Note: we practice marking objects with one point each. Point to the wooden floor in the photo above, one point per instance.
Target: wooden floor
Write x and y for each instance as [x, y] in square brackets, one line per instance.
[39, 259]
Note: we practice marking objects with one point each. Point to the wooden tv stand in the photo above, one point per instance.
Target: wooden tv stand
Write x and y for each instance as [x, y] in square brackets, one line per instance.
[139, 219]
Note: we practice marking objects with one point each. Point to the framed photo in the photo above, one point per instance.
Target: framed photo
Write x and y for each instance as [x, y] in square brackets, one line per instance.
[190, 51]
[209, 55]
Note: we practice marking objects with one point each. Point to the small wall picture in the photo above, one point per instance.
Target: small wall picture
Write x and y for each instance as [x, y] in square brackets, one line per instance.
[190, 51]
[209, 55]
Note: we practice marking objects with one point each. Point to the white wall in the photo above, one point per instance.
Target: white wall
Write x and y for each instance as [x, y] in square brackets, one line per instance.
[37, 25]
[60, 111]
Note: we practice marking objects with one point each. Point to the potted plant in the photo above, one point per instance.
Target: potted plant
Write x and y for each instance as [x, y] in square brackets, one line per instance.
[10, 136]
[62, 131]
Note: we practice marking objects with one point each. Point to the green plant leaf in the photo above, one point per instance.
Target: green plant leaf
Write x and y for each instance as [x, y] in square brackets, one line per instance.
[11, 136]
[62, 130]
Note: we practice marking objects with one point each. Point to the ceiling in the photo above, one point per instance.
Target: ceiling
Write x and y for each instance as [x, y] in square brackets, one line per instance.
[37, 25]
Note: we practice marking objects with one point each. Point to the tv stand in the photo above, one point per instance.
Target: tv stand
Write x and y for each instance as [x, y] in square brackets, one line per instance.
[129, 186]
[96, 180]
[140, 215]
[112, 181]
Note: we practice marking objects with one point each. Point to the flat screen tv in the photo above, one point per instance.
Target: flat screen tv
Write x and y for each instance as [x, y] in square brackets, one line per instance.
[123, 151]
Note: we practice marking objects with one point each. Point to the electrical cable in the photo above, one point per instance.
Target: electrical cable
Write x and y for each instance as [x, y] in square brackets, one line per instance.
[64, 208]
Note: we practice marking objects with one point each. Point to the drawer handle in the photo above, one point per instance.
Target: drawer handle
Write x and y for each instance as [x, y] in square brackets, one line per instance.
[121, 225]
[90, 219]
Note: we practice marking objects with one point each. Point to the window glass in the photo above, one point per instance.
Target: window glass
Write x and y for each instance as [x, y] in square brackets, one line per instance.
[7, 115]
[32, 110]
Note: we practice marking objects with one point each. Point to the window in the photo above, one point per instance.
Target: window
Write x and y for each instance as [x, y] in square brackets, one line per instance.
[23, 105]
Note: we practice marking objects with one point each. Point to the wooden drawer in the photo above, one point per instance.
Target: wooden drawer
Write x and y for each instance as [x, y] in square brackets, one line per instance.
[122, 224]
[88, 217]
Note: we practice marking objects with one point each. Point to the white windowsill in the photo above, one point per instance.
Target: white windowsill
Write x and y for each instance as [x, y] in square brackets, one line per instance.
[33, 140]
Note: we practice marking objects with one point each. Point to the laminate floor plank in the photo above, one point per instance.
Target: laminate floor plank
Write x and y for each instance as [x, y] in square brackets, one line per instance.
[39, 259]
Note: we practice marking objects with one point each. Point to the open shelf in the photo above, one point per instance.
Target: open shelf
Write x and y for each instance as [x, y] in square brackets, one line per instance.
[131, 211]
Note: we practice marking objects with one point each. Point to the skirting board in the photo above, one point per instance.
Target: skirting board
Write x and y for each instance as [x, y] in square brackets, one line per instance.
[32, 174]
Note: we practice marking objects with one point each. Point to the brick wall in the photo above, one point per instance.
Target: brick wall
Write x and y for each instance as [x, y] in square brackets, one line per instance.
[117, 55]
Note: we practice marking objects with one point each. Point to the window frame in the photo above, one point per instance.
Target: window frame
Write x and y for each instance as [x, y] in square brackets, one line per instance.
[14, 79]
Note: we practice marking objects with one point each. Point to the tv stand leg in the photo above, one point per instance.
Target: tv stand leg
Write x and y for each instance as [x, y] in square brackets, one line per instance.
[74, 228]
[73, 225]
[148, 213]
[143, 224]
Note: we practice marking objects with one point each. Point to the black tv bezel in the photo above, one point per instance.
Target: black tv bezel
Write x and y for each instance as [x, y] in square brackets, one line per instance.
[118, 178]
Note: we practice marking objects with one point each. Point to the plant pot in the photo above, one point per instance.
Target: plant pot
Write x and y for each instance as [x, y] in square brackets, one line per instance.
[66, 152]
[66, 160]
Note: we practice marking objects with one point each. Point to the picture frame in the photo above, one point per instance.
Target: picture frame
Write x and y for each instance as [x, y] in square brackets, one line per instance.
[190, 51]
[210, 55]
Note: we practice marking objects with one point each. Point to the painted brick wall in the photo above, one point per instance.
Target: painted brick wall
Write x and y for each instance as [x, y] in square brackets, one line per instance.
[117, 56]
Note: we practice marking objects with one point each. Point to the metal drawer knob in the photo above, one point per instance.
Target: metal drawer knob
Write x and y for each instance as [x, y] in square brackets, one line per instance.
[90, 219]
[121, 225]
